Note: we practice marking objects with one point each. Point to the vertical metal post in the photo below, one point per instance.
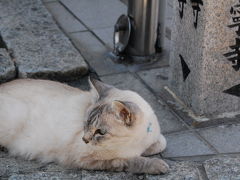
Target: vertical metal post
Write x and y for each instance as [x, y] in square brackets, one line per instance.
[144, 16]
[162, 22]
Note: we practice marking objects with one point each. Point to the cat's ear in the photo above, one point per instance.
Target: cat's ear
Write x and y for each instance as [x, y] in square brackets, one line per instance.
[123, 112]
[99, 87]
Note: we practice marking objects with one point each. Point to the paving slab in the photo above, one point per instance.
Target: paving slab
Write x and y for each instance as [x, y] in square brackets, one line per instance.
[223, 168]
[95, 53]
[40, 48]
[225, 138]
[179, 171]
[7, 68]
[3, 154]
[64, 18]
[106, 35]
[125, 1]
[185, 144]
[96, 13]
[15, 169]
[103, 175]
[155, 78]
[9, 166]
[47, 1]
[98, 55]
[46, 175]
[168, 122]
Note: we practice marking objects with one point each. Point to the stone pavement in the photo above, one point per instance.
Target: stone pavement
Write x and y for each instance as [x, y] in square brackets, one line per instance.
[208, 151]
[35, 44]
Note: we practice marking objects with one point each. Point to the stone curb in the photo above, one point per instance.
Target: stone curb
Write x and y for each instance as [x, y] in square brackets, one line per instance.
[7, 68]
[39, 47]
[227, 168]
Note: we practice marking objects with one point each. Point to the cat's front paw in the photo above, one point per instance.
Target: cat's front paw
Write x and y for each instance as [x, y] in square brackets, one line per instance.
[158, 166]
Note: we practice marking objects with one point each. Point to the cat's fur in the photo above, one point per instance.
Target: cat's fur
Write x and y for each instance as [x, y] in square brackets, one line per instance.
[102, 129]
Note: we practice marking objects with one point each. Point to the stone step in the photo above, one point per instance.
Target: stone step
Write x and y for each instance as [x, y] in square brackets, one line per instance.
[39, 47]
[7, 68]
[221, 167]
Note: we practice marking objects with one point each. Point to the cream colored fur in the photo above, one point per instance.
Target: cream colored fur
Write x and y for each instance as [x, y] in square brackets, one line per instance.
[45, 120]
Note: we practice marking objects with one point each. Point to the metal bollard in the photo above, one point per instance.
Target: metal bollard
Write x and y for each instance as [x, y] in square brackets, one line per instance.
[144, 32]
[143, 17]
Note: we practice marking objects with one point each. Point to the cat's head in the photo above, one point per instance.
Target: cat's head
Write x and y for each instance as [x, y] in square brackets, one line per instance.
[116, 114]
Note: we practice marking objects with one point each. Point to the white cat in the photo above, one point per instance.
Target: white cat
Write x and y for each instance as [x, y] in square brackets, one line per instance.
[102, 129]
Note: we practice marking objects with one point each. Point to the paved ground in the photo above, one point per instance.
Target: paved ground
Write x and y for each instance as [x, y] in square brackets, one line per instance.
[204, 151]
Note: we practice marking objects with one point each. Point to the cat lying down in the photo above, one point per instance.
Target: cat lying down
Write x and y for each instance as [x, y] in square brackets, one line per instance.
[102, 129]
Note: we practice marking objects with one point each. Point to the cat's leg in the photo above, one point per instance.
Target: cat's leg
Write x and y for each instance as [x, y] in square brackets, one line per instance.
[133, 165]
[156, 147]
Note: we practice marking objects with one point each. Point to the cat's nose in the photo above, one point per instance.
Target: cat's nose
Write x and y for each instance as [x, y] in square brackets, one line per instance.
[85, 140]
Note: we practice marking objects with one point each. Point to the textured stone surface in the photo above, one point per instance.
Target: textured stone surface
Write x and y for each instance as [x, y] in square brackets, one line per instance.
[223, 168]
[179, 171]
[18, 169]
[47, 175]
[9, 166]
[47, 1]
[101, 175]
[155, 78]
[40, 48]
[185, 144]
[3, 154]
[97, 13]
[168, 122]
[64, 18]
[202, 50]
[226, 138]
[7, 68]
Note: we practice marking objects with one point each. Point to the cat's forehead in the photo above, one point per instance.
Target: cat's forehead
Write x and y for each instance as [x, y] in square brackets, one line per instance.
[95, 114]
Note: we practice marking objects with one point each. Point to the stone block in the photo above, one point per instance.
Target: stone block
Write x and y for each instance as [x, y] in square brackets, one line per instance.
[103, 175]
[10, 166]
[200, 73]
[185, 144]
[47, 175]
[225, 138]
[179, 171]
[223, 168]
[168, 121]
[49, 1]
[3, 154]
[39, 47]
[7, 68]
